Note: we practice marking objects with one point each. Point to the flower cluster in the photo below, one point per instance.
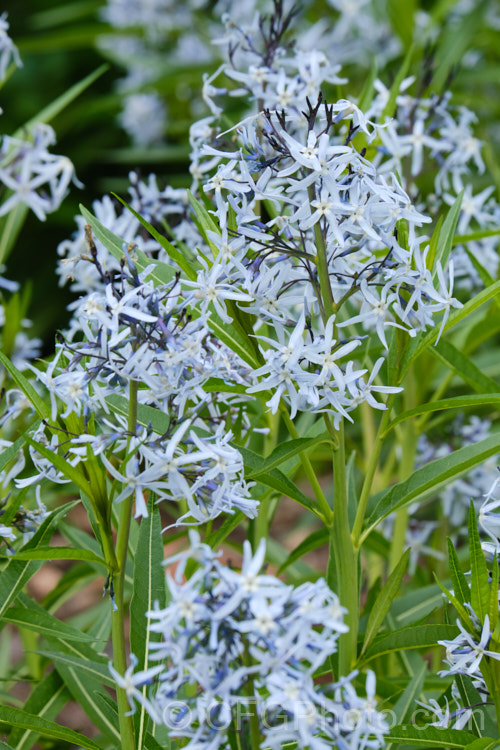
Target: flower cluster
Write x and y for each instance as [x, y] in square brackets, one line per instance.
[240, 647]
[33, 175]
[8, 50]
[430, 133]
[145, 342]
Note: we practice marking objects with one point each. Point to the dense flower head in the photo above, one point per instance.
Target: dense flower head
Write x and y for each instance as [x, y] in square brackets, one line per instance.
[133, 334]
[33, 175]
[241, 642]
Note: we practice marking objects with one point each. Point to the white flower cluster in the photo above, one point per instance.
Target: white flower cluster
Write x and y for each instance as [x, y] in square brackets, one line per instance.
[241, 644]
[433, 132]
[33, 175]
[133, 334]
[327, 211]
[8, 50]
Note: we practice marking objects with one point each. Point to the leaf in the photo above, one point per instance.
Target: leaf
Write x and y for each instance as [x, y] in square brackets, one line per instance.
[420, 636]
[479, 583]
[446, 233]
[46, 700]
[366, 96]
[24, 720]
[17, 572]
[493, 610]
[430, 478]
[146, 415]
[31, 394]
[384, 601]
[54, 108]
[483, 743]
[204, 222]
[217, 537]
[471, 697]
[43, 623]
[98, 670]
[86, 692]
[59, 553]
[148, 590]
[277, 481]
[75, 475]
[464, 367]
[236, 338]
[431, 737]
[483, 274]
[461, 239]
[401, 709]
[456, 402]
[390, 107]
[284, 451]
[160, 273]
[433, 244]
[401, 14]
[459, 582]
[11, 225]
[462, 611]
[184, 264]
[317, 539]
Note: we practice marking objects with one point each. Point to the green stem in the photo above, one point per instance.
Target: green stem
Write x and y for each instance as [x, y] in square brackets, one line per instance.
[329, 305]
[346, 560]
[118, 619]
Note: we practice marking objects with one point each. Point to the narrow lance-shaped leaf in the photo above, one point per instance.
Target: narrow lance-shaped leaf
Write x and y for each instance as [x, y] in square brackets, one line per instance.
[459, 582]
[149, 590]
[479, 584]
[14, 717]
[384, 601]
[464, 367]
[430, 478]
[494, 595]
[43, 623]
[421, 636]
[402, 708]
[456, 402]
[431, 737]
[17, 572]
[29, 391]
[480, 720]
[184, 264]
[461, 610]
[447, 232]
[46, 700]
[60, 553]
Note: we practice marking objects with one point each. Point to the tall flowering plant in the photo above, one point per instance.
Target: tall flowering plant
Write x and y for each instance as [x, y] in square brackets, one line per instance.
[270, 333]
